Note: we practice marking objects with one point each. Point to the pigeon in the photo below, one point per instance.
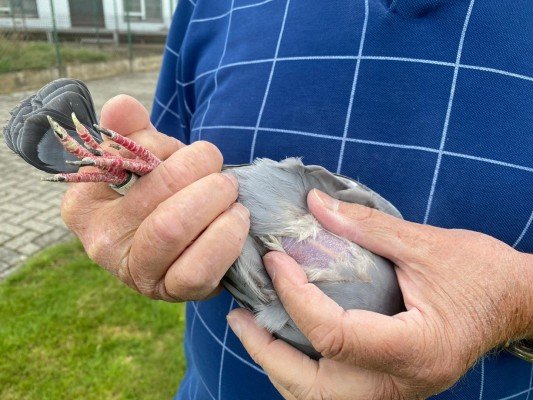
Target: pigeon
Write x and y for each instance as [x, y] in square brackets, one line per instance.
[56, 131]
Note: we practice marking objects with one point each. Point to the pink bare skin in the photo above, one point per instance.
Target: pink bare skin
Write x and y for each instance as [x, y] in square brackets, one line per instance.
[177, 231]
[465, 293]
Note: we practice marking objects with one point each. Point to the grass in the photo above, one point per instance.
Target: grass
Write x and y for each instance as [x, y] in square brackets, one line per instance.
[69, 330]
[20, 55]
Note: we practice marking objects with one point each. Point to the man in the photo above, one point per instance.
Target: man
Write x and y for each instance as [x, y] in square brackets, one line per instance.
[427, 102]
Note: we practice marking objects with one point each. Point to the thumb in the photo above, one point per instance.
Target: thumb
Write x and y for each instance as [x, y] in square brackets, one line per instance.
[125, 114]
[383, 234]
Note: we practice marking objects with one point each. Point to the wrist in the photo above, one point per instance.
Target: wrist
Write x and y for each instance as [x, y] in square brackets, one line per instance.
[524, 296]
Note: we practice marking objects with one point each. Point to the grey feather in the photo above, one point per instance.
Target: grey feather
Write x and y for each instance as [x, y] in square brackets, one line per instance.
[28, 132]
[276, 195]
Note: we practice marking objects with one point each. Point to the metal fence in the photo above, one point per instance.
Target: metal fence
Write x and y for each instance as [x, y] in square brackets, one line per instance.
[38, 34]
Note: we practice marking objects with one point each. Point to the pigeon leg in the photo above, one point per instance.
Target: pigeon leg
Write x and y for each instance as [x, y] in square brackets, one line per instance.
[90, 143]
[107, 177]
[67, 141]
[112, 174]
[138, 150]
[136, 166]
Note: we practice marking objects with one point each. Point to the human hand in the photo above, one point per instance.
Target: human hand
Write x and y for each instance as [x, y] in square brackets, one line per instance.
[464, 292]
[178, 229]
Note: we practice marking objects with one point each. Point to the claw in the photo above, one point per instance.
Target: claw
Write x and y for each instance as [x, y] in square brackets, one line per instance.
[54, 178]
[93, 151]
[130, 145]
[67, 141]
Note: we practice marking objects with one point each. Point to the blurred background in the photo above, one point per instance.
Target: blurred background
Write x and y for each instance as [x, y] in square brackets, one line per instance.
[67, 328]
[61, 37]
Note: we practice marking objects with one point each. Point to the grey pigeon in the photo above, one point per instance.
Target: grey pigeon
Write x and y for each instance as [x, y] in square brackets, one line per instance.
[274, 192]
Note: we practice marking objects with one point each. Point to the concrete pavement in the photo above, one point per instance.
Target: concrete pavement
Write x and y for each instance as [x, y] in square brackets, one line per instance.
[29, 208]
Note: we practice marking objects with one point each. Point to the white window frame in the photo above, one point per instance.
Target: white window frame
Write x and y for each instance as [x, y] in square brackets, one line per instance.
[10, 12]
[141, 14]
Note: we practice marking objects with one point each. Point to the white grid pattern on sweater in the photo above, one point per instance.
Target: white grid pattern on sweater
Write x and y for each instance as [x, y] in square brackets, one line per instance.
[440, 151]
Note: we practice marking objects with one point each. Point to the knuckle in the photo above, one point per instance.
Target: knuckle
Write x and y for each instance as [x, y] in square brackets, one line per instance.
[170, 176]
[399, 354]
[184, 168]
[97, 248]
[234, 238]
[70, 207]
[188, 165]
[328, 340]
[358, 213]
[194, 284]
[210, 151]
[67, 208]
[145, 288]
[424, 243]
[166, 230]
[223, 185]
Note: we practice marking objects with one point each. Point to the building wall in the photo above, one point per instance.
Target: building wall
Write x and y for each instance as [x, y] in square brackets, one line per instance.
[136, 26]
[44, 21]
[113, 13]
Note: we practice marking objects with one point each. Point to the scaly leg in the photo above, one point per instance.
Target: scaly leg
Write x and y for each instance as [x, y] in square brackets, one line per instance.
[138, 150]
[114, 169]
[136, 166]
[87, 177]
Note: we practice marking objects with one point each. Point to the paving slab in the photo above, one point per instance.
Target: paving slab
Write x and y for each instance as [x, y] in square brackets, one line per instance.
[29, 209]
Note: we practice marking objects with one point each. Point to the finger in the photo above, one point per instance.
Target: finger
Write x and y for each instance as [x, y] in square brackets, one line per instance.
[297, 376]
[106, 227]
[383, 234]
[161, 145]
[176, 222]
[197, 272]
[364, 338]
[290, 368]
[181, 169]
[127, 116]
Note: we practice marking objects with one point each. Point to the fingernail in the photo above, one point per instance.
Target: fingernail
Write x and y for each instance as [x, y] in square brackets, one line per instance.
[269, 260]
[271, 269]
[241, 211]
[329, 202]
[234, 324]
[233, 180]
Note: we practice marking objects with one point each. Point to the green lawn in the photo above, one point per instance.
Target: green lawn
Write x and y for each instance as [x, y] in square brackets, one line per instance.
[17, 55]
[69, 330]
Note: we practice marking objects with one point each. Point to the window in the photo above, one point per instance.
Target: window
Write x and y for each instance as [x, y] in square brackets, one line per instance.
[143, 10]
[5, 10]
[19, 8]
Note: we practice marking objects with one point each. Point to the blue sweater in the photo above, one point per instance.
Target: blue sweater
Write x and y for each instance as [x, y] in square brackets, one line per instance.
[428, 102]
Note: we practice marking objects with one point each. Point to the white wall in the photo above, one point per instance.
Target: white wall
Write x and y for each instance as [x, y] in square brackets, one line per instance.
[136, 26]
[62, 13]
[44, 21]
